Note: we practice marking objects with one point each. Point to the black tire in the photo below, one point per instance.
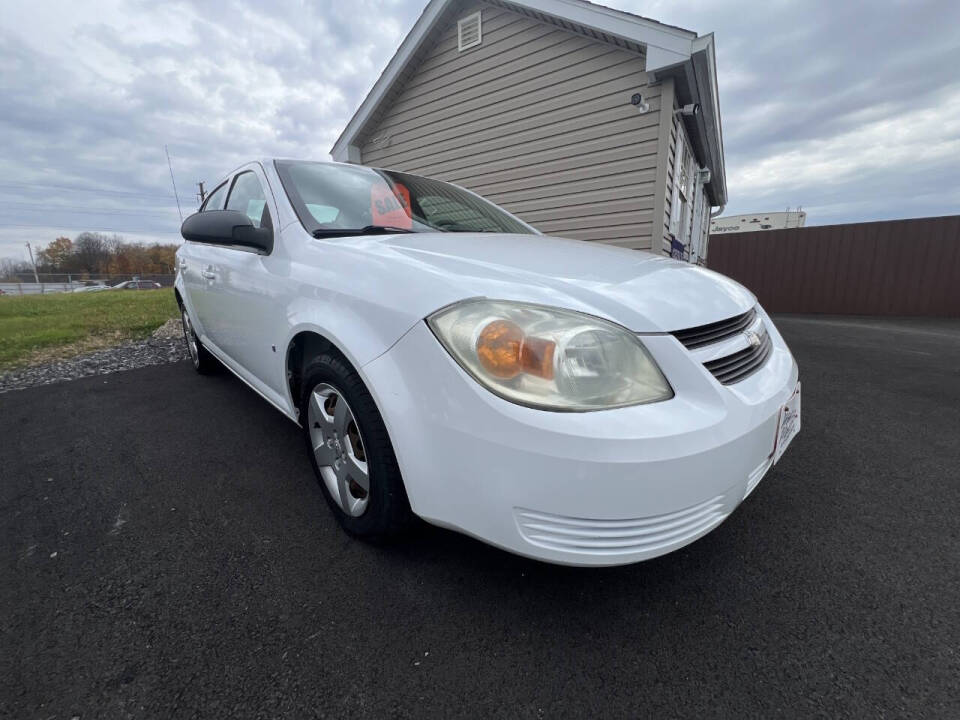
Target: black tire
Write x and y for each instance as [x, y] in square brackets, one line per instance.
[203, 362]
[387, 513]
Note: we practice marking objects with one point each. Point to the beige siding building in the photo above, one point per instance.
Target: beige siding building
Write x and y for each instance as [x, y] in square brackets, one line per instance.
[568, 114]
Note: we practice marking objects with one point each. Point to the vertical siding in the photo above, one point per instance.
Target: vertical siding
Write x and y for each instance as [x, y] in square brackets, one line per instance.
[537, 119]
[705, 230]
[677, 134]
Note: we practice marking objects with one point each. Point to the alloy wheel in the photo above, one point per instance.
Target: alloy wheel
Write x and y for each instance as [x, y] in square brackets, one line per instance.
[339, 450]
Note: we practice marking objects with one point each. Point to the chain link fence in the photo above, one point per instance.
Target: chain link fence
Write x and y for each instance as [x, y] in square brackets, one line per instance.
[43, 283]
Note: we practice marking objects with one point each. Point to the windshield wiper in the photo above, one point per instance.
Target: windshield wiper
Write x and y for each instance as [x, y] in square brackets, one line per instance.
[367, 230]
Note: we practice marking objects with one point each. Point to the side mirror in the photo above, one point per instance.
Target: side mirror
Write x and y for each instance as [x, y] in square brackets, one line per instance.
[226, 227]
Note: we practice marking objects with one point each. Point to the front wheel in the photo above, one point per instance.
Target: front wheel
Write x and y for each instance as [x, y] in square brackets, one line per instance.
[350, 450]
[203, 362]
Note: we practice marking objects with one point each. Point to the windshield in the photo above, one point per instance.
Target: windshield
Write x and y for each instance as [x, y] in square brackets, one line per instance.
[331, 198]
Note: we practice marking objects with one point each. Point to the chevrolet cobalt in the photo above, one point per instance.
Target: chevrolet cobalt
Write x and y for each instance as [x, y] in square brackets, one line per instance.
[565, 400]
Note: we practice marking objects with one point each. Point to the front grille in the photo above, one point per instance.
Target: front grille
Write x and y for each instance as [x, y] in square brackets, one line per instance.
[736, 367]
[715, 332]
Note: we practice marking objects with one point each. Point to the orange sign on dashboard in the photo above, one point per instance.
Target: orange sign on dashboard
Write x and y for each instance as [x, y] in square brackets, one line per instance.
[391, 206]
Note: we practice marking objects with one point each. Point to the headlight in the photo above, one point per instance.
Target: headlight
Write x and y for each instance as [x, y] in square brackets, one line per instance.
[549, 358]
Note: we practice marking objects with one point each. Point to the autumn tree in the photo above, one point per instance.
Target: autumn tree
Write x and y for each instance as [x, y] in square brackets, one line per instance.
[56, 255]
[97, 253]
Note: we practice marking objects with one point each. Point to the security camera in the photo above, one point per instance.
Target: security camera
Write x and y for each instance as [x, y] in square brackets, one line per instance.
[689, 110]
[637, 100]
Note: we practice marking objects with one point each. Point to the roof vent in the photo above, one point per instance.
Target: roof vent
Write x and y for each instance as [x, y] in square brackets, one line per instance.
[468, 31]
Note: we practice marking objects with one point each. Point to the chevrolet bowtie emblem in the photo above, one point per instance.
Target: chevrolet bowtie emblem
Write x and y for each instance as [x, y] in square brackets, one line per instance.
[753, 338]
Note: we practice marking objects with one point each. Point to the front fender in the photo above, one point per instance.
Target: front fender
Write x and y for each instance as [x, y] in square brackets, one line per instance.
[361, 337]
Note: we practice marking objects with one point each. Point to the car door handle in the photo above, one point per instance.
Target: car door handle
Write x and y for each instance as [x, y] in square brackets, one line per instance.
[183, 264]
[209, 275]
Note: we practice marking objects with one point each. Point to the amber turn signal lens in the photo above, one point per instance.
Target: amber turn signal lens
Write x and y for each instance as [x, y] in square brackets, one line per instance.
[498, 348]
[536, 357]
[505, 352]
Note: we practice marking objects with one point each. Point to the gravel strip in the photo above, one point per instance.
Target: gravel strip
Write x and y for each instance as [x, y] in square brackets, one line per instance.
[166, 346]
[169, 330]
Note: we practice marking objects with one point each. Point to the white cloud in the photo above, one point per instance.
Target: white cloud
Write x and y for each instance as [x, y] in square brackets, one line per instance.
[919, 140]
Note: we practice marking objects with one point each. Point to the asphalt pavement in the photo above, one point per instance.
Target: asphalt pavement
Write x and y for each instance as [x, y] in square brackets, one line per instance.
[166, 552]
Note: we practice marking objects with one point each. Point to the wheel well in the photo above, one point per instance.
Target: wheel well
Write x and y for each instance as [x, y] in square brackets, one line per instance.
[303, 348]
[176, 294]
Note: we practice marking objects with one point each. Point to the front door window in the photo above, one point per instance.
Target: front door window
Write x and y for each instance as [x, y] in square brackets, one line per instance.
[247, 196]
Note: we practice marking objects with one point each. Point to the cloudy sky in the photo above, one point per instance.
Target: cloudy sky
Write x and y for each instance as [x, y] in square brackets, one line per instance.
[849, 109]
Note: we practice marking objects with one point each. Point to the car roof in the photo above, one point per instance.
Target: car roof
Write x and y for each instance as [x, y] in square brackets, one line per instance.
[267, 162]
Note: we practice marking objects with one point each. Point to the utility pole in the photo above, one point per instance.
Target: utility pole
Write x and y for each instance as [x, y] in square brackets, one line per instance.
[202, 193]
[34, 263]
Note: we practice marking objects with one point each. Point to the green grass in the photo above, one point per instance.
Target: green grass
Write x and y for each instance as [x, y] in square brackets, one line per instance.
[34, 328]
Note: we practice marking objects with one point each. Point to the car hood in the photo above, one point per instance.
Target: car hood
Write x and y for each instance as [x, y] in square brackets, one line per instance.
[639, 290]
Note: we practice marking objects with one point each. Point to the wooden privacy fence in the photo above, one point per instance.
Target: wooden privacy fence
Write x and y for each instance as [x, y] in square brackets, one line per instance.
[896, 267]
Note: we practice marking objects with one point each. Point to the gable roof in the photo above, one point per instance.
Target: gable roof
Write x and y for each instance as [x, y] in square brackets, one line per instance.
[671, 52]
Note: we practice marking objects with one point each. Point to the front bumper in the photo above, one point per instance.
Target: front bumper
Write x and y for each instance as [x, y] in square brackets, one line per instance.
[596, 488]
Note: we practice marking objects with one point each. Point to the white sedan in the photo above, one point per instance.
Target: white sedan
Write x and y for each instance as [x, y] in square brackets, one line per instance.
[91, 288]
[564, 400]
[137, 285]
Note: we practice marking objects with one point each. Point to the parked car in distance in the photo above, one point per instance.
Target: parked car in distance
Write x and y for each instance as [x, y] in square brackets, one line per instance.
[137, 285]
[564, 400]
[91, 288]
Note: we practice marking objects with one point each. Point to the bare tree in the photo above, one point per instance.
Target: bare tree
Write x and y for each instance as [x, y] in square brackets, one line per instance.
[91, 252]
[11, 267]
